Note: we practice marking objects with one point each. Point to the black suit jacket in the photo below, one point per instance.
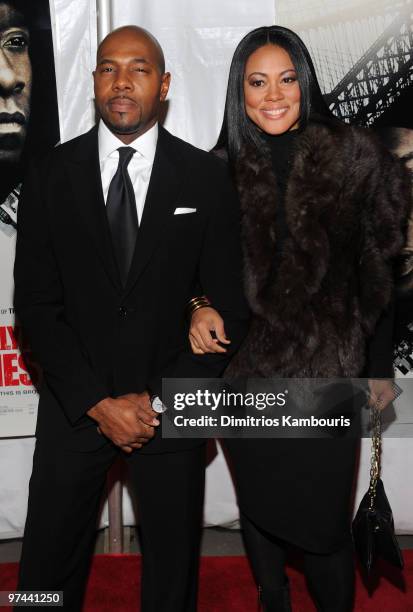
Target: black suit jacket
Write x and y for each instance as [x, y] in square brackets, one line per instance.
[94, 338]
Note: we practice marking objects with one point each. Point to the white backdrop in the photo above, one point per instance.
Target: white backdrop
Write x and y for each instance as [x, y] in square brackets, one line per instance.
[198, 39]
[75, 41]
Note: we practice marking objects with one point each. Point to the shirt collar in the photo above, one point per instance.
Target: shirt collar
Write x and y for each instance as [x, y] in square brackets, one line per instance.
[145, 144]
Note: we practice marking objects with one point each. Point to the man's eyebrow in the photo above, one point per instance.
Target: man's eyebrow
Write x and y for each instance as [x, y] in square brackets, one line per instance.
[139, 60]
[19, 24]
[407, 156]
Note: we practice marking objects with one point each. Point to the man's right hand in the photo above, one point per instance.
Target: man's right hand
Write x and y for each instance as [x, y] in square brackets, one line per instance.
[117, 420]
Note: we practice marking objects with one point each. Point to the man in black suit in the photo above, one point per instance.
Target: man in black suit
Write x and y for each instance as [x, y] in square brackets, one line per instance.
[117, 229]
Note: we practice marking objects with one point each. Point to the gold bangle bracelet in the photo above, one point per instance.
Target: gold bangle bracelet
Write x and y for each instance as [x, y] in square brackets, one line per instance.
[198, 298]
[196, 303]
[197, 307]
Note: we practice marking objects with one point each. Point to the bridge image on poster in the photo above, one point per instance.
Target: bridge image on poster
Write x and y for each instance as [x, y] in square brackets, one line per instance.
[362, 51]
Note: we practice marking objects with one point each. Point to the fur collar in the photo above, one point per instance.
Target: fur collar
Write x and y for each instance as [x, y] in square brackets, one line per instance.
[345, 203]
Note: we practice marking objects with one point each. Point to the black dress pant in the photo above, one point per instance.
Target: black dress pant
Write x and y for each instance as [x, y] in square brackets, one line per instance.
[64, 496]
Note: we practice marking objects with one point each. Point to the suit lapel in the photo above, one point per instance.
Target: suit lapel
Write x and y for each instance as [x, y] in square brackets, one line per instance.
[84, 173]
[161, 198]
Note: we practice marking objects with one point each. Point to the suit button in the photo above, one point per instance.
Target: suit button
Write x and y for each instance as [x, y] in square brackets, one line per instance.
[122, 312]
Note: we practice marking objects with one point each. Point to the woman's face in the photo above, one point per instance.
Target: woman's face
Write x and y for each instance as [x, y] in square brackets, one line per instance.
[271, 90]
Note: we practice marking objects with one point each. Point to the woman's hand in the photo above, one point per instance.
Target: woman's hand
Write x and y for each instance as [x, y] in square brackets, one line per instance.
[381, 392]
[203, 322]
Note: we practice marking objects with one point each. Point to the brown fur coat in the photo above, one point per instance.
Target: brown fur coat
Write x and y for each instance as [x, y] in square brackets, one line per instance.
[346, 204]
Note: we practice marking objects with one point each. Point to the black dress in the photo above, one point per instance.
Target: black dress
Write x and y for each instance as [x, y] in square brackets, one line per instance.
[300, 490]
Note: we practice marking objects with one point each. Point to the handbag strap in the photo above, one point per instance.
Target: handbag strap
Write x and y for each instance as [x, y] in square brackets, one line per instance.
[376, 436]
[375, 459]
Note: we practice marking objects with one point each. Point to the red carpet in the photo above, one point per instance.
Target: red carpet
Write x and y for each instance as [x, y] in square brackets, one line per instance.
[226, 586]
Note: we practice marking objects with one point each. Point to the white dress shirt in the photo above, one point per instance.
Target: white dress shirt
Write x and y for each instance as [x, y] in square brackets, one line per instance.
[139, 167]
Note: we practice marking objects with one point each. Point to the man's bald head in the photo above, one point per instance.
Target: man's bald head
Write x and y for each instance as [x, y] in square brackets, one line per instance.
[140, 34]
[130, 82]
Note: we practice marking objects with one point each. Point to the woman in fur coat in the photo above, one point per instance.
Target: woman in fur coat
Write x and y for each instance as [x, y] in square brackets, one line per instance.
[323, 208]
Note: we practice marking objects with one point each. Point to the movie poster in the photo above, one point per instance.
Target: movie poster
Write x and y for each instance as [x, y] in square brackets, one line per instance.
[363, 55]
[29, 126]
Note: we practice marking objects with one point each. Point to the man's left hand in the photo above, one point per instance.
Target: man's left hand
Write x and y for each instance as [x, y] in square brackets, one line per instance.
[143, 407]
[143, 410]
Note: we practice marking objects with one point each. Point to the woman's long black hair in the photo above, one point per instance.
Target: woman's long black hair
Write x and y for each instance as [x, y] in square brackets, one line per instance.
[237, 129]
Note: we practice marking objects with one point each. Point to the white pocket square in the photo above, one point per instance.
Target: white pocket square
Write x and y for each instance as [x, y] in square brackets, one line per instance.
[184, 211]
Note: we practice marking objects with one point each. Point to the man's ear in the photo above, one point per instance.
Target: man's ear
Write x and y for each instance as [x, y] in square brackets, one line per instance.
[165, 83]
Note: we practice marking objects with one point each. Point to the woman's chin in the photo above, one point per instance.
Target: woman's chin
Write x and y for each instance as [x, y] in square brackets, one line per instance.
[276, 128]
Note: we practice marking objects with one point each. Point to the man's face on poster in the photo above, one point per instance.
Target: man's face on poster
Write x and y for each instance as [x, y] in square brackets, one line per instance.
[403, 148]
[15, 82]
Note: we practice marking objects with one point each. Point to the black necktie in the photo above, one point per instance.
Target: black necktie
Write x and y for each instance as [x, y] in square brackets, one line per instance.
[122, 215]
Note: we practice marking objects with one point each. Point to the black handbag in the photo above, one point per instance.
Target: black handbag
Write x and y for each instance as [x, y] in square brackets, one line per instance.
[373, 526]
